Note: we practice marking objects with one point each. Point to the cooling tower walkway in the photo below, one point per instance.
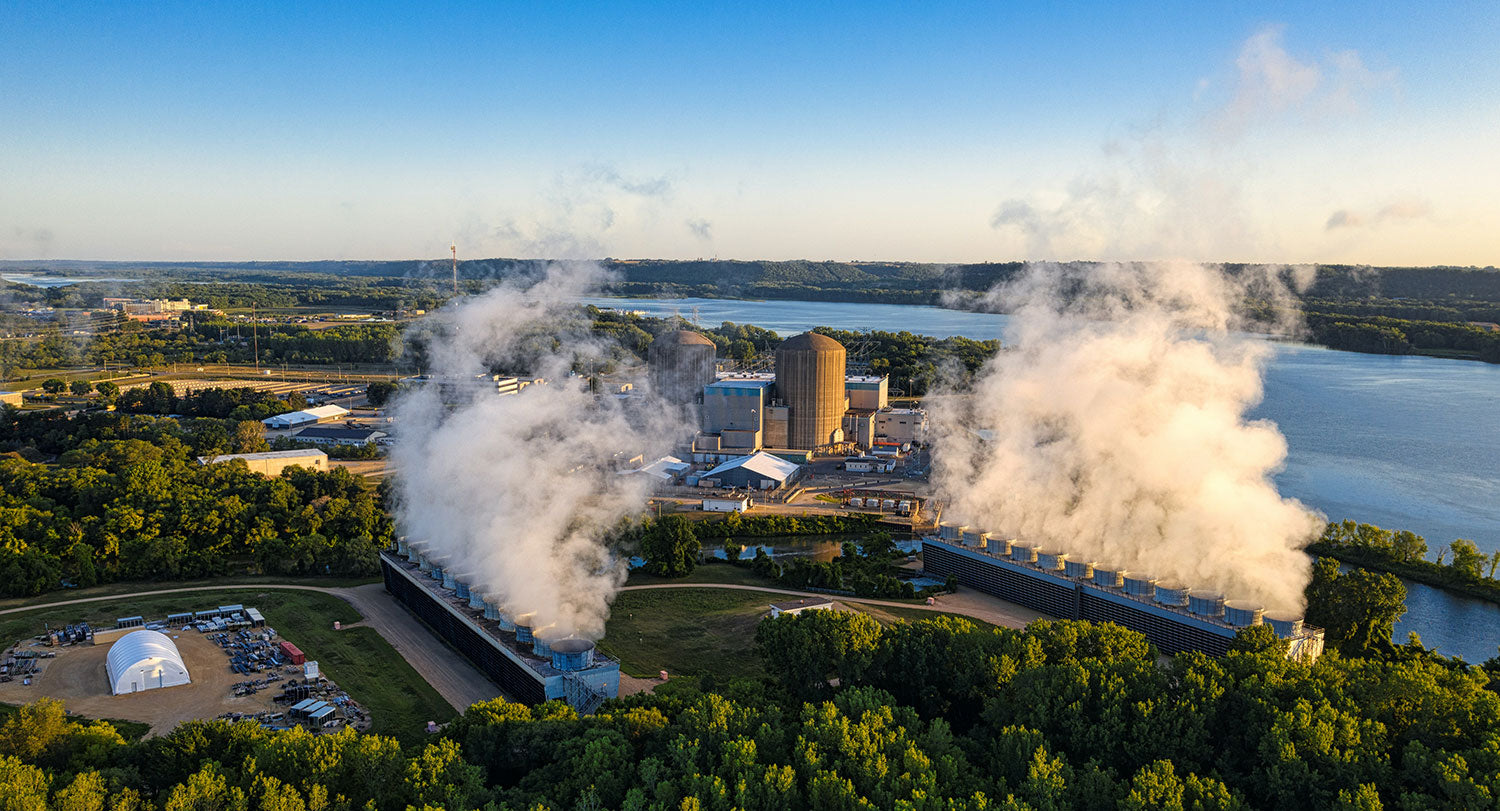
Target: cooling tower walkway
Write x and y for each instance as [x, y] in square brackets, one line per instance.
[968, 603]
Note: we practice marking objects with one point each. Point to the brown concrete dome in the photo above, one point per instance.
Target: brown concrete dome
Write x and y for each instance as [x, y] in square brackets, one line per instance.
[815, 341]
[682, 337]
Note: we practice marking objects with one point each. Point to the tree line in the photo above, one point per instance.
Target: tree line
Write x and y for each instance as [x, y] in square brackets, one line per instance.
[1399, 336]
[126, 499]
[937, 714]
[1460, 567]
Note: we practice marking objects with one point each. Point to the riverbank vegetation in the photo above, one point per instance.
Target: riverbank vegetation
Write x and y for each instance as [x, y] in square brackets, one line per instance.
[1459, 568]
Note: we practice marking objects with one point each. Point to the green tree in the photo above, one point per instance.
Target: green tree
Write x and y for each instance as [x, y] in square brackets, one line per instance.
[380, 392]
[1357, 610]
[80, 388]
[54, 386]
[805, 651]
[1468, 561]
[107, 391]
[670, 547]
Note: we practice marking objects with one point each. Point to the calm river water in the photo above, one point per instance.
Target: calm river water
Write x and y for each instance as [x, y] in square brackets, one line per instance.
[1403, 442]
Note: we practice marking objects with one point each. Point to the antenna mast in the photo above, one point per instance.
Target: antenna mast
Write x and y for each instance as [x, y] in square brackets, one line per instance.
[255, 336]
[454, 247]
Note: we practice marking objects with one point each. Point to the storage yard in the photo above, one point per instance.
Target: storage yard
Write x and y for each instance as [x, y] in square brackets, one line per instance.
[243, 672]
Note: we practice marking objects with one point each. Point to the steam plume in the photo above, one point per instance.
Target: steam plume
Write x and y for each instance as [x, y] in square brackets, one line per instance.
[520, 492]
[1116, 431]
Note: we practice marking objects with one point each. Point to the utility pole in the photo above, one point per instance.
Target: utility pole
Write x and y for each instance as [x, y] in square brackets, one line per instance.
[454, 247]
[254, 337]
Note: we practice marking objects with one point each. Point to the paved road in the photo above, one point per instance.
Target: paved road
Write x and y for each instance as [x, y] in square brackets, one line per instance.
[459, 682]
[967, 603]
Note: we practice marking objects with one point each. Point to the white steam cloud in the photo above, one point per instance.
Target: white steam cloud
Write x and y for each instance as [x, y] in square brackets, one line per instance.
[1113, 427]
[520, 493]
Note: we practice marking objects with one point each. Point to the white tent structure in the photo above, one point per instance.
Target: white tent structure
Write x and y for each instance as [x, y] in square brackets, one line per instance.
[144, 660]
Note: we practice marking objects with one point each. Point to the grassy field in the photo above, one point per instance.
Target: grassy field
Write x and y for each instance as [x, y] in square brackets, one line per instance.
[686, 631]
[400, 701]
[693, 632]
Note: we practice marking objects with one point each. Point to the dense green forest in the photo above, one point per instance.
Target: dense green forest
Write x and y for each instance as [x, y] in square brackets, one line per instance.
[214, 340]
[936, 714]
[125, 499]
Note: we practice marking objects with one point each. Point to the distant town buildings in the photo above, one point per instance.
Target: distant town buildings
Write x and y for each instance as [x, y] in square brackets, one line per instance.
[152, 309]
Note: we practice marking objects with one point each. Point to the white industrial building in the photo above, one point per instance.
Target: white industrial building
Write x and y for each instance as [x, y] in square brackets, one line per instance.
[144, 660]
[758, 471]
[309, 416]
[725, 505]
[271, 463]
[666, 470]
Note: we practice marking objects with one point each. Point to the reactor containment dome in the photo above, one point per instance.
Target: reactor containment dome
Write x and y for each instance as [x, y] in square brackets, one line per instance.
[144, 660]
[681, 363]
[810, 379]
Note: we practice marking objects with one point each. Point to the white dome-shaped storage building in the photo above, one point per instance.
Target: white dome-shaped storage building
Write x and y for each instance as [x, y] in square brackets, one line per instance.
[144, 660]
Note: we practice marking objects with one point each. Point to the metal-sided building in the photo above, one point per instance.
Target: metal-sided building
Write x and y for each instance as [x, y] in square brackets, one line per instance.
[1171, 615]
[758, 471]
[530, 668]
[734, 413]
[272, 463]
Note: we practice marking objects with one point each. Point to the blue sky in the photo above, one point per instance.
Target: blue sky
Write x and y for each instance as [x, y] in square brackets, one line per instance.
[940, 132]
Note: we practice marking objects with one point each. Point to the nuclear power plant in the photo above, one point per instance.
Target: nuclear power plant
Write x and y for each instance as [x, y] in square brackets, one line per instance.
[1174, 616]
[531, 664]
[808, 404]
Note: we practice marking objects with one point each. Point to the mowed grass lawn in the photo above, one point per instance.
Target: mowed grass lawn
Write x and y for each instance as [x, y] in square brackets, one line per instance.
[700, 631]
[399, 700]
[688, 632]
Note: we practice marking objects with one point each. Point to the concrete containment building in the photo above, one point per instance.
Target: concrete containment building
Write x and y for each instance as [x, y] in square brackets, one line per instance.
[144, 660]
[681, 364]
[810, 381]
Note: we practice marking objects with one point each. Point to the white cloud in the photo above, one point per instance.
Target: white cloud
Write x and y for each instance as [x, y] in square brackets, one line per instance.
[1404, 210]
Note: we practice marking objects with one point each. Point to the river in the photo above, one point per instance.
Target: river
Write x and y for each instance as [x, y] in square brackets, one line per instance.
[1405, 442]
